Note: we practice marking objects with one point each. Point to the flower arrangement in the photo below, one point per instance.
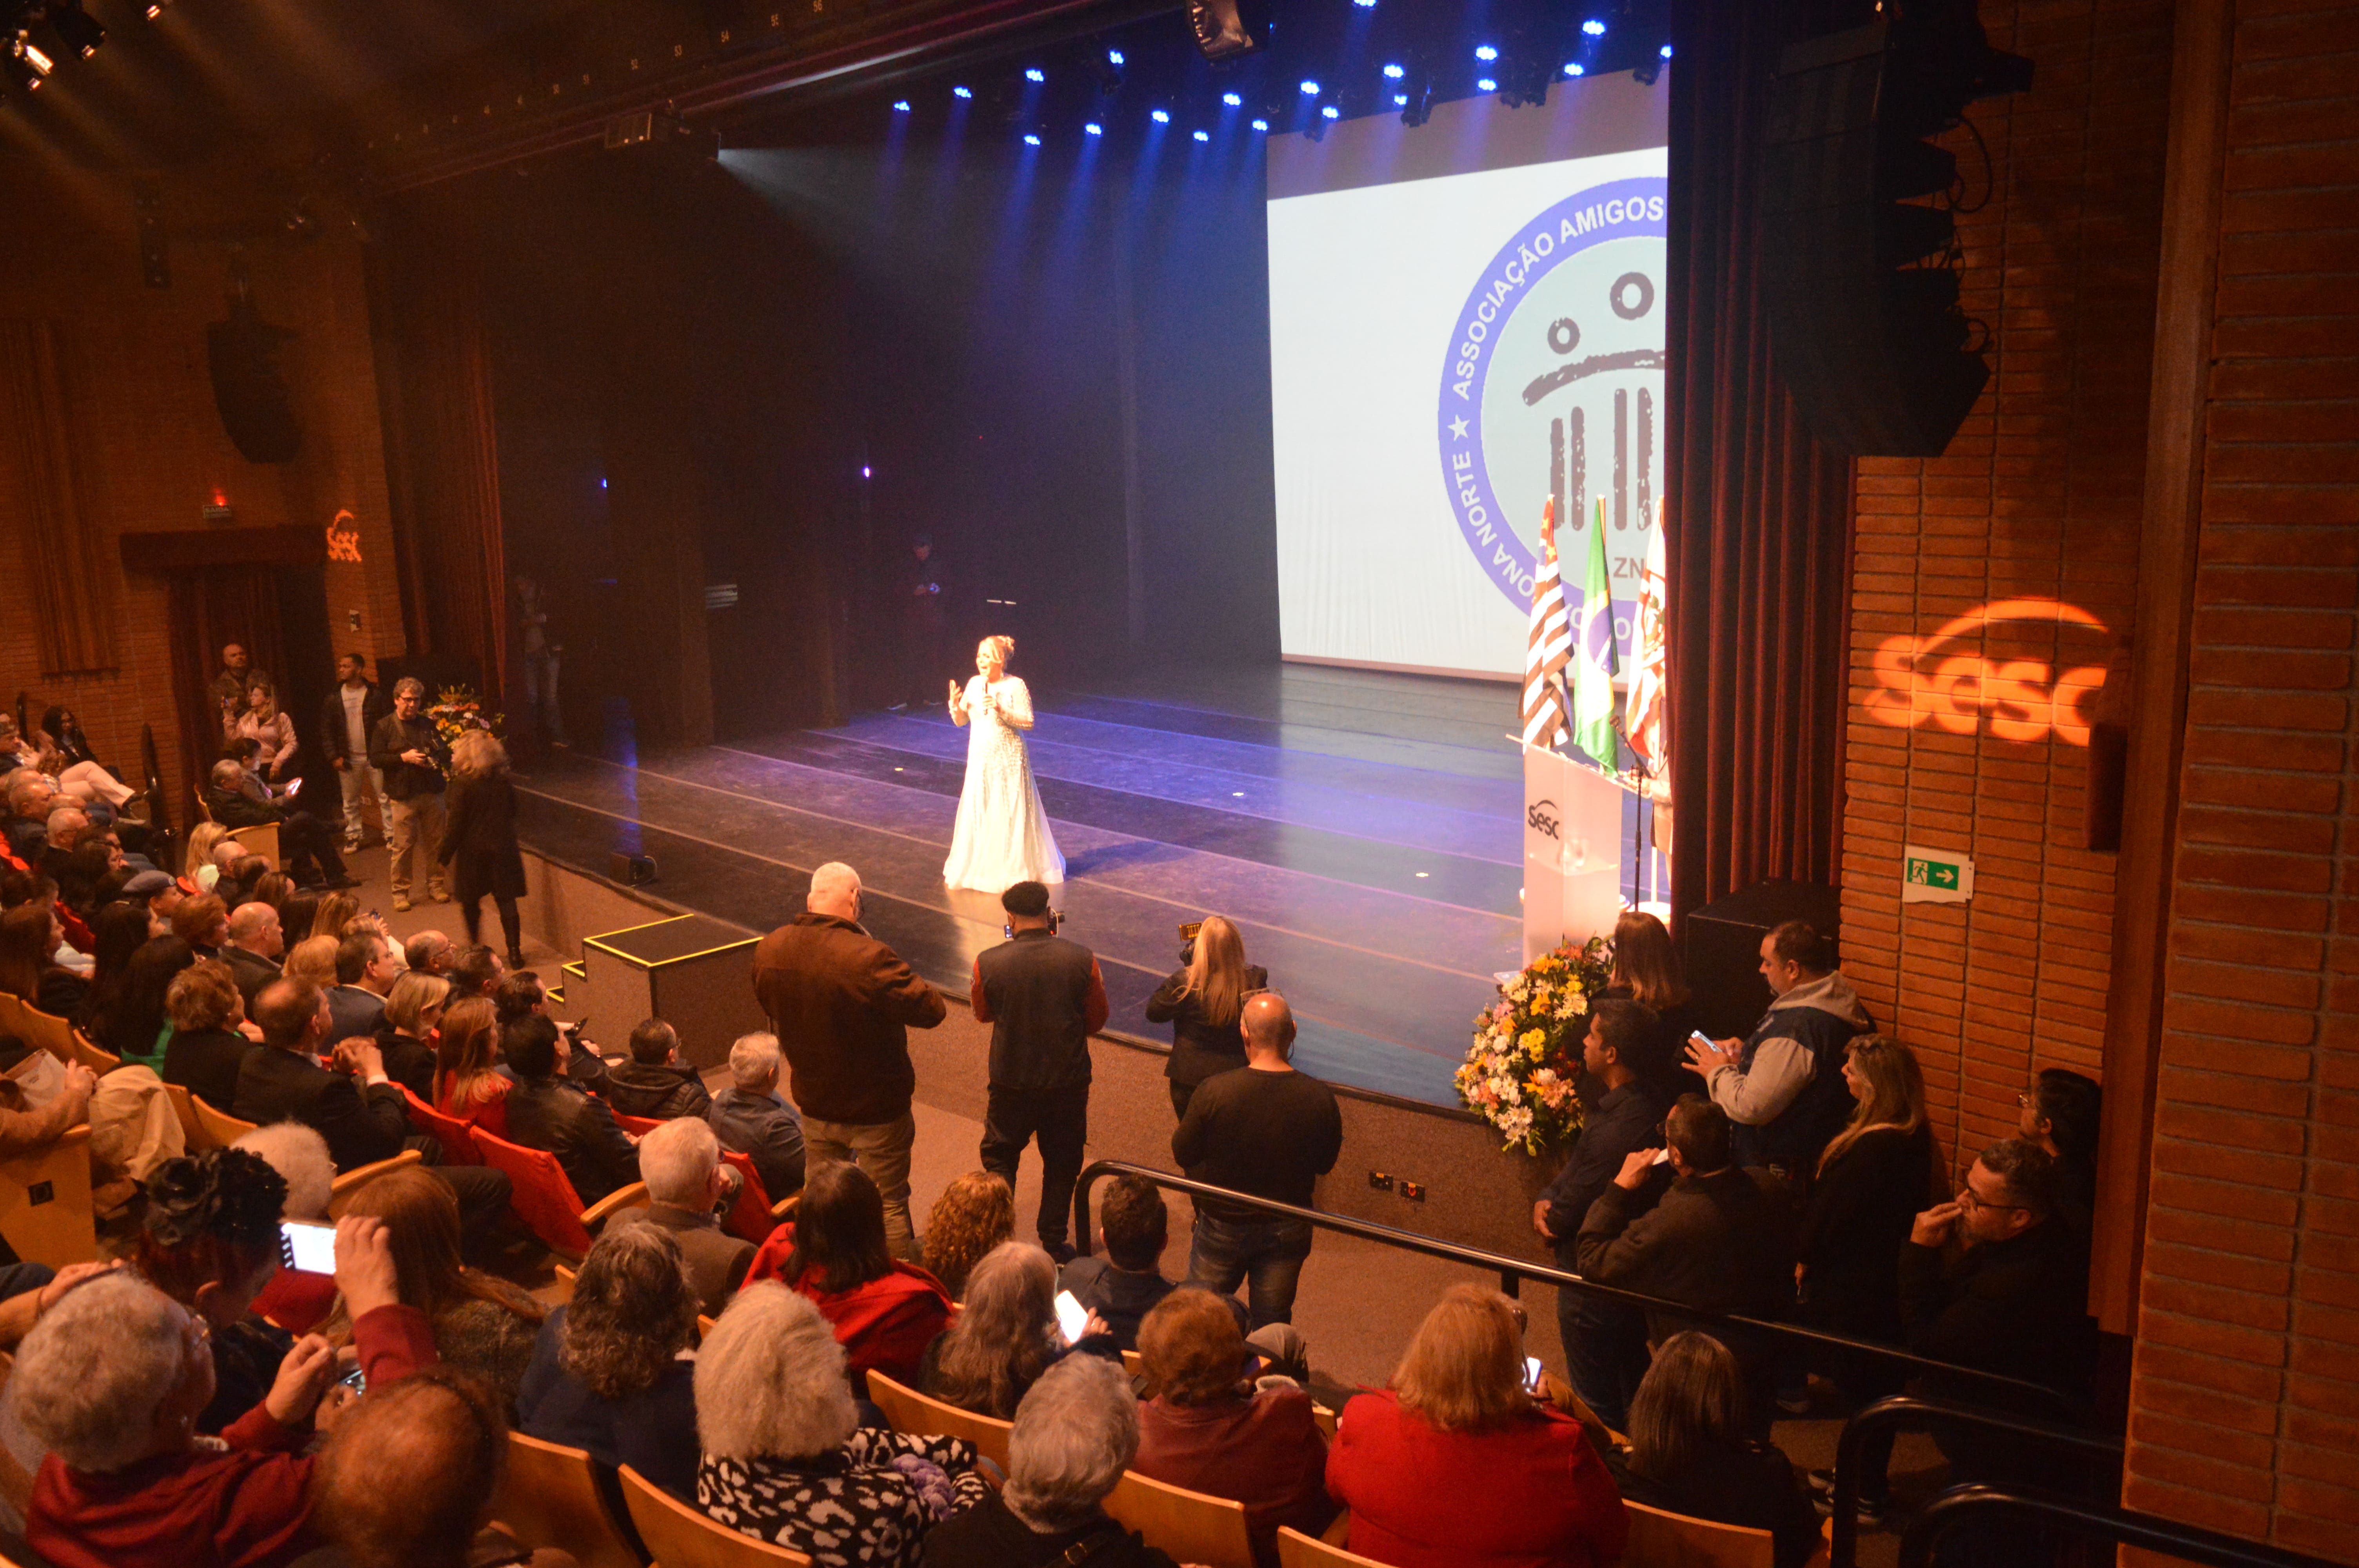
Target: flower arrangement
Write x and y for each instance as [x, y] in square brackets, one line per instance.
[456, 709]
[1520, 1070]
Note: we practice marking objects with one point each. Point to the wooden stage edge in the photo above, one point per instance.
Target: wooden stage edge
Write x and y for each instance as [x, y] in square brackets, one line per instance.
[1476, 1195]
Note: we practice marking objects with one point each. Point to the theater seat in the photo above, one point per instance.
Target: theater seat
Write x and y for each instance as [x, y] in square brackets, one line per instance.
[544, 1197]
[550, 1497]
[684, 1537]
[919, 1416]
[753, 1217]
[1296, 1550]
[456, 1135]
[347, 1186]
[1660, 1540]
[1189, 1526]
[45, 1211]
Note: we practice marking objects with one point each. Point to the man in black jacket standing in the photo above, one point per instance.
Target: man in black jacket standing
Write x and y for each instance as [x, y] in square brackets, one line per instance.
[1269, 1130]
[1604, 1341]
[1043, 997]
[347, 719]
[403, 747]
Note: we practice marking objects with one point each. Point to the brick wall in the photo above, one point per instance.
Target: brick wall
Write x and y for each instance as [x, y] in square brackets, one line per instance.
[2245, 1386]
[148, 422]
[1989, 582]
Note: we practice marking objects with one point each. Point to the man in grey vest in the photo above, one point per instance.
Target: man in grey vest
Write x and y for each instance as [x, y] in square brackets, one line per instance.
[1043, 997]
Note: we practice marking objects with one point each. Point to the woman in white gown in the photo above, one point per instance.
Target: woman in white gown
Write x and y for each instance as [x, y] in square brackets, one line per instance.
[1002, 836]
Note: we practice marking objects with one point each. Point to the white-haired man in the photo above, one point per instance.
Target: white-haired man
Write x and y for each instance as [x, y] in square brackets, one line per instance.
[753, 1118]
[1075, 1433]
[680, 1162]
[845, 1003]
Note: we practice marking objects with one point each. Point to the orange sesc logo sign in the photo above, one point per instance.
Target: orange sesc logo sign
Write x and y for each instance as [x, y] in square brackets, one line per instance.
[344, 543]
[1964, 679]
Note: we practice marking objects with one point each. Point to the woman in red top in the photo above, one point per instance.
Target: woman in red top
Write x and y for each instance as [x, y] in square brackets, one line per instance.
[466, 1047]
[111, 1380]
[1456, 1467]
[885, 1312]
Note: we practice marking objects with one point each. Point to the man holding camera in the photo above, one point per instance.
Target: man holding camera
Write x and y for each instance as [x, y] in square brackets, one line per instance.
[1043, 997]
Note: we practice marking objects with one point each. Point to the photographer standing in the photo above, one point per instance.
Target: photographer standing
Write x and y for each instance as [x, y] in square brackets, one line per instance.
[1201, 1002]
[405, 748]
[1043, 997]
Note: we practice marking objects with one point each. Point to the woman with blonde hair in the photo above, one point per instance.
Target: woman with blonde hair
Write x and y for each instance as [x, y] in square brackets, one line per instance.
[313, 959]
[481, 836]
[413, 1011]
[1002, 836]
[1688, 1453]
[336, 911]
[1202, 1002]
[272, 732]
[1458, 1424]
[467, 1051]
[1006, 1335]
[203, 840]
[975, 1213]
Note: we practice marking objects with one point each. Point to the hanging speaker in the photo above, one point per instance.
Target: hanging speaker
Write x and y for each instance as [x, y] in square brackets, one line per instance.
[248, 389]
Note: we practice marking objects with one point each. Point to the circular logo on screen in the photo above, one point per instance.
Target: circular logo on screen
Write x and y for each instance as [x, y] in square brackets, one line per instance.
[1553, 386]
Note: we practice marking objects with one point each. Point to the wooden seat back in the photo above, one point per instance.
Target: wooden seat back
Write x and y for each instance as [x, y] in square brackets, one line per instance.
[45, 1211]
[1296, 1550]
[261, 840]
[550, 1497]
[683, 1537]
[346, 1187]
[922, 1416]
[1661, 1540]
[221, 1129]
[1189, 1525]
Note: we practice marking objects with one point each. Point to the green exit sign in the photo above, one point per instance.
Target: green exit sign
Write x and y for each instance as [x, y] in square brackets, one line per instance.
[1935, 876]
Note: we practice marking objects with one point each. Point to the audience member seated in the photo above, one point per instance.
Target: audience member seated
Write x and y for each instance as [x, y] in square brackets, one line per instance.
[255, 946]
[366, 967]
[1207, 1428]
[207, 1048]
[548, 1111]
[521, 995]
[784, 1457]
[30, 934]
[295, 1298]
[1604, 1341]
[111, 1381]
[655, 1082]
[209, 1239]
[314, 961]
[202, 923]
[1456, 1465]
[409, 1477]
[612, 1372]
[337, 911]
[120, 930]
[753, 1118]
[241, 877]
[1074, 1435]
[24, 1131]
[238, 799]
[1782, 1086]
[413, 1010]
[1201, 1002]
[885, 1312]
[477, 972]
[975, 1213]
[284, 1081]
[1125, 1285]
[680, 1162]
[1688, 1453]
[134, 1027]
[1711, 1235]
[1006, 1336]
[2060, 1113]
[430, 953]
[484, 1326]
[295, 914]
[466, 1082]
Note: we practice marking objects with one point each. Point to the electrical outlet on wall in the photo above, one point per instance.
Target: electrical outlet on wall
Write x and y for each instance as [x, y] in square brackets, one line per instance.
[1413, 1191]
[1379, 1181]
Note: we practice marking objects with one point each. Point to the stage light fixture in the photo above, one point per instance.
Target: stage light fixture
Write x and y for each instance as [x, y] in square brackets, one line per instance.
[1203, 136]
[1395, 72]
[1034, 73]
[1400, 100]
[1332, 113]
[1114, 57]
[1221, 33]
[1093, 129]
[901, 107]
[34, 56]
[1233, 100]
[1261, 124]
[1309, 88]
[1485, 52]
[1365, 4]
[1485, 84]
[1573, 68]
[1160, 117]
[1030, 140]
[1667, 51]
[962, 92]
[19, 70]
[1593, 28]
[75, 26]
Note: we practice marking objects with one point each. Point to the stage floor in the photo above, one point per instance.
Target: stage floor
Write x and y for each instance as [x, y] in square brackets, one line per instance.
[1361, 829]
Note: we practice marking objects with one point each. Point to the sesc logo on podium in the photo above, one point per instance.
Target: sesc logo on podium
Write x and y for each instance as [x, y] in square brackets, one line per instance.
[1552, 385]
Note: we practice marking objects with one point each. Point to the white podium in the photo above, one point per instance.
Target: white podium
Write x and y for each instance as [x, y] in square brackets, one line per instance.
[1572, 851]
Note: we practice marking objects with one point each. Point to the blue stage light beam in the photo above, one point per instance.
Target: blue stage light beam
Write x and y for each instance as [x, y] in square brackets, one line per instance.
[1309, 88]
[1332, 113]
[1485, 84]
[1160, 117]
[1594, 28]
[1233, 100]
[1261, 124]
[1485, 52]
[1203, 136]
[1093, 129]
[962, 92]
[1395, 72]
[1572, 68]
[1667, 51]
[1114, 57]
[1030, 140]
[1034, 73]
[902, 107]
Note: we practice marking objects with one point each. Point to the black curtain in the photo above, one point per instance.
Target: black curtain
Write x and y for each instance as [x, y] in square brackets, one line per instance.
[1759, 542]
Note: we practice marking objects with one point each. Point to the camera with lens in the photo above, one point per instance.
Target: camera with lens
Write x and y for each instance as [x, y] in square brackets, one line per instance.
[1056, 919]
[1188, 941]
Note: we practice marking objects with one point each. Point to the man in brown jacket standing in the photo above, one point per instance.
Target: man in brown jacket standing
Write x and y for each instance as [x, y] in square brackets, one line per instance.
[843, 1003]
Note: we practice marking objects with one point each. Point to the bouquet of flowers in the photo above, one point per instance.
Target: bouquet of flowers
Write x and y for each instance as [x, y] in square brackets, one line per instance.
[457, 710]
[1520, 1070]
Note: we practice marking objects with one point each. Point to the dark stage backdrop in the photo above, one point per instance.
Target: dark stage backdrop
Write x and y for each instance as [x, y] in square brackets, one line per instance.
[1760, 536]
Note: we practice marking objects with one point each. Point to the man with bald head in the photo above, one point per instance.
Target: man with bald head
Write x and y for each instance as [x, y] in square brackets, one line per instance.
[252, 952]
[842, 1004]
[1269, 1130]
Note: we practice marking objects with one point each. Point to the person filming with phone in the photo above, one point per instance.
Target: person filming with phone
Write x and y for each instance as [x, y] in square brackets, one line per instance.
[1783, 1085]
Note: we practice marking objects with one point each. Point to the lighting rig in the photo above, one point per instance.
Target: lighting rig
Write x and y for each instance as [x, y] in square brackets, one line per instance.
[39, 36]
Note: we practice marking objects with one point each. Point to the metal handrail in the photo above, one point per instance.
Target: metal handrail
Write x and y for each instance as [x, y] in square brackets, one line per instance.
[1901, 1410]
[1513, 1271]
[2124, 1527]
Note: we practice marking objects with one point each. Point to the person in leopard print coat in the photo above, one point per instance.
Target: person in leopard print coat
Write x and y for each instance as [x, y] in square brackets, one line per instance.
[785, 1458]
